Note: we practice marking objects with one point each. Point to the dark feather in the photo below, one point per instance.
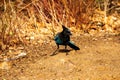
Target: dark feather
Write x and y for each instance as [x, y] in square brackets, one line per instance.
[72, 45]
[63, 38]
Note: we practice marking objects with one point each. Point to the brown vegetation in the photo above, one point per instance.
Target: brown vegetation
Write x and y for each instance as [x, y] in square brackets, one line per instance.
[25, 24]
[17, 17]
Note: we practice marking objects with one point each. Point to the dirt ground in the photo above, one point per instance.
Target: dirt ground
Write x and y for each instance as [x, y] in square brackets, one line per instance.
[97, 59]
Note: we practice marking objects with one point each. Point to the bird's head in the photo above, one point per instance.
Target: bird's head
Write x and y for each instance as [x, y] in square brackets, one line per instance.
[66, 31]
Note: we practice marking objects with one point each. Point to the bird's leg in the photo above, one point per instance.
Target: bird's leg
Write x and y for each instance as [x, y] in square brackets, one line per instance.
[57, 46]
[55, 50]
[66, 49]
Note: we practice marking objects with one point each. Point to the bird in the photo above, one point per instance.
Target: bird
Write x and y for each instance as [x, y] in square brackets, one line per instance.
[63, 38]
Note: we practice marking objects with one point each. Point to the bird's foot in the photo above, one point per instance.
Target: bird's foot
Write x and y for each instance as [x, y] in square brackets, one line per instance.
[54, 53]
[67, 54]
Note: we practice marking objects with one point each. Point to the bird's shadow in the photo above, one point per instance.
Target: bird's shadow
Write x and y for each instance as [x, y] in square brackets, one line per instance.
[62, 51]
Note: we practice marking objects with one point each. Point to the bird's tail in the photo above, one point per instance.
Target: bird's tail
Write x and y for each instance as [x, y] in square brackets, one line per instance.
[72, 45]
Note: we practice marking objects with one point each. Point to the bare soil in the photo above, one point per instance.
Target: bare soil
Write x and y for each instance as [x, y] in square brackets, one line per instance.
[97, 59]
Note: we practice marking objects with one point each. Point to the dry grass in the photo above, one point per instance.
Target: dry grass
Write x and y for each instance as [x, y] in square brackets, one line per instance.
[22, 18]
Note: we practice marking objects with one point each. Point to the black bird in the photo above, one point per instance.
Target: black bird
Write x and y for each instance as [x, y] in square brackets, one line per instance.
[63, 38]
